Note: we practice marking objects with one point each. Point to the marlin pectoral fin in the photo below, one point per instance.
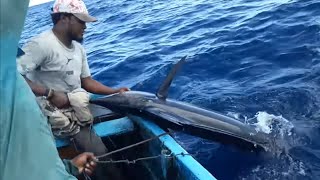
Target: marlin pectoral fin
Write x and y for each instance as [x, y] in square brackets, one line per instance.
[163, 90]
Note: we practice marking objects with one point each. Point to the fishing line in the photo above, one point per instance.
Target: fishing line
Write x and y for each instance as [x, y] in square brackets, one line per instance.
[133, 145]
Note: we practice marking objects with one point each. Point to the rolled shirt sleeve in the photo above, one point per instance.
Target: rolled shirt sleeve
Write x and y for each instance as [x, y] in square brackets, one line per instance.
[32, 59]
[70, 168]
[85, 71]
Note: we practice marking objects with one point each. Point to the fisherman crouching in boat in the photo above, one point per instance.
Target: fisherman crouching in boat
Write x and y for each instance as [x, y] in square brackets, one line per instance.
[56, 68]
[84, 163]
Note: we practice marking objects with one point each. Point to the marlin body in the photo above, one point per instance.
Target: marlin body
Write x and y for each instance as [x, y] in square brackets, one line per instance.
[169, 113]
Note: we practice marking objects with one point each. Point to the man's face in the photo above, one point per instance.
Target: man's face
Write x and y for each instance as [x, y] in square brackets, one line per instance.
[76, 29]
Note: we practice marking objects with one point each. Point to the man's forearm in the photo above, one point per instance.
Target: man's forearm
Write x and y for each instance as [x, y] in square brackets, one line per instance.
[38, 90]
[96, 87]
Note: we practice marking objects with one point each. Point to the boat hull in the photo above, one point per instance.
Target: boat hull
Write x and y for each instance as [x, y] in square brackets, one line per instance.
[170, 160]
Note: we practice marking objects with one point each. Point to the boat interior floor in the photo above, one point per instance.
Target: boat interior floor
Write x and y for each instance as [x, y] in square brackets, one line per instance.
[116, 132]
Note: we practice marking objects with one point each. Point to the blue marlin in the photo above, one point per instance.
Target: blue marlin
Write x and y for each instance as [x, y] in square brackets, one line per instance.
[177, 115]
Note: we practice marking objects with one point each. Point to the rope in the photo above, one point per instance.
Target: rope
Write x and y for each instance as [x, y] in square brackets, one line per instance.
[128, 161]
[133, 145]
[142, 159]
[86, 176]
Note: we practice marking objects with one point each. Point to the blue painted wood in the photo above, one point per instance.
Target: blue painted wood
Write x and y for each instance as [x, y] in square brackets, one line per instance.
[104, 129]
[188, 167]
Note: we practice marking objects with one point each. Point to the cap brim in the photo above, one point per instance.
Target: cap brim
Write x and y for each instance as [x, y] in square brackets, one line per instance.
[85, 17]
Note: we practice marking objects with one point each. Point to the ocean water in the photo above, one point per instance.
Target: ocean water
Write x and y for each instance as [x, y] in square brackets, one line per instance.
[255, 60]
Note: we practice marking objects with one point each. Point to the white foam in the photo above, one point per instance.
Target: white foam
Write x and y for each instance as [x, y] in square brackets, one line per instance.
[268, 123]
[264, 122]
[301, 169]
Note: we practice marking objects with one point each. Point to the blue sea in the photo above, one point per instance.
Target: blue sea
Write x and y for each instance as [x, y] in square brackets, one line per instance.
[255, 60]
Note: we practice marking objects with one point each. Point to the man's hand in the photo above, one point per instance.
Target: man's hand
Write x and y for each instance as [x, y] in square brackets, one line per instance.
[85, 162]
[60, 99]
[121, 90]
[96, 87]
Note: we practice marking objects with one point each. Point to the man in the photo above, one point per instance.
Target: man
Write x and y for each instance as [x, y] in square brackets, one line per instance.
[27, 149]
[56, 68]
[83, 163]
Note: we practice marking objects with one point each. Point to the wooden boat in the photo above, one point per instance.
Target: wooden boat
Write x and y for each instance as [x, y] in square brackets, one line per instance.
[159, 158]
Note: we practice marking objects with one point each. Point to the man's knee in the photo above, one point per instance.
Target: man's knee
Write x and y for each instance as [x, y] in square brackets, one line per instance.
[87, 140]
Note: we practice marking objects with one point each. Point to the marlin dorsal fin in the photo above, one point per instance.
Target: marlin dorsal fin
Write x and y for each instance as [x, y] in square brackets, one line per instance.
[164, 88]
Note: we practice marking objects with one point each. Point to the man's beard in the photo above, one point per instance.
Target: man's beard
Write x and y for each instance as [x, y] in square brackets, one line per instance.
[75, 38]
[79, 40]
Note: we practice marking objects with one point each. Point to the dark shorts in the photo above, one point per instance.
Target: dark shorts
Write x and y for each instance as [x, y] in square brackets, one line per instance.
[88, 141]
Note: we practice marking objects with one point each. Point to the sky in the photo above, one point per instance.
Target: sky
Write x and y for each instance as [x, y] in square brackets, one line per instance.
[36, 2]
